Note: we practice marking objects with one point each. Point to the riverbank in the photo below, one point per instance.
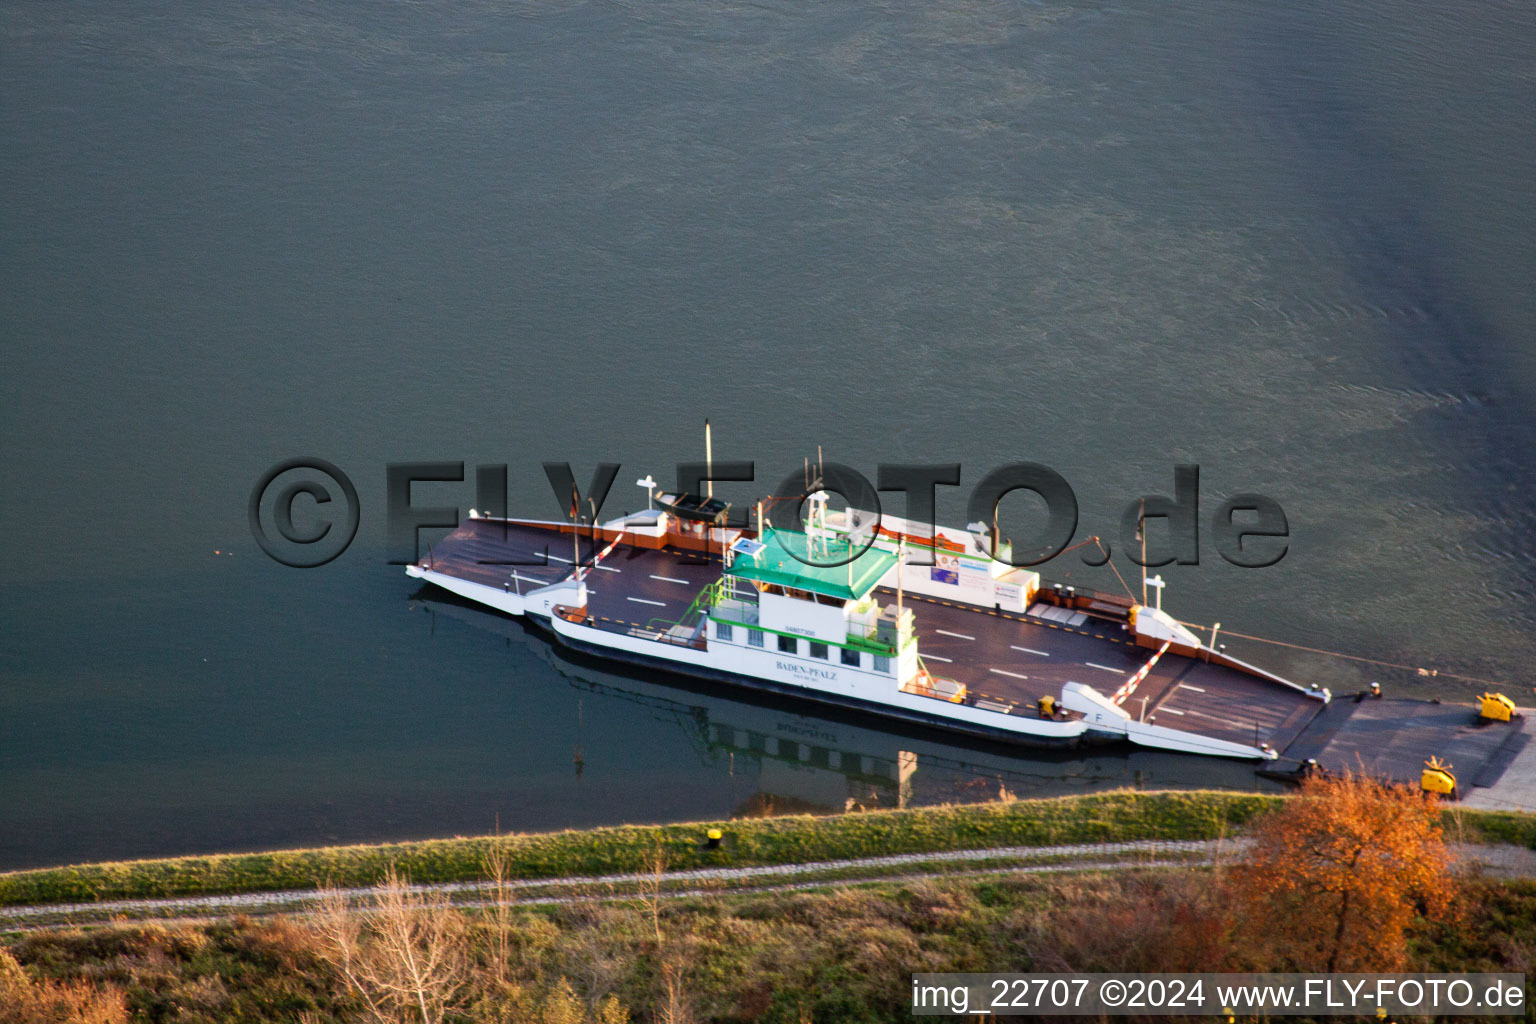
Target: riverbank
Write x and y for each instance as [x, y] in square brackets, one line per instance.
[1489, 861]
[841, 953]
[1115, 817]
[771, 926]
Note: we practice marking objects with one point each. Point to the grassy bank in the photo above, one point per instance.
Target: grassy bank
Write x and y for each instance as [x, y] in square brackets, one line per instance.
[1105, 817]
[843, 955]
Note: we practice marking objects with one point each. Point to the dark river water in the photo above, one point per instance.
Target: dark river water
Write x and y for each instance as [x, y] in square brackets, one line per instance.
[1291, 243]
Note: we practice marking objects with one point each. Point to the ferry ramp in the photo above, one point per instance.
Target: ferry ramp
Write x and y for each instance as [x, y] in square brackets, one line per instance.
[507, 554]
[1390, 739]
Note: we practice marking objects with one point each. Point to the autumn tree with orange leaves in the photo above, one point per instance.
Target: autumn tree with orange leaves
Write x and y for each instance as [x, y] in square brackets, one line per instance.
[1336, 876]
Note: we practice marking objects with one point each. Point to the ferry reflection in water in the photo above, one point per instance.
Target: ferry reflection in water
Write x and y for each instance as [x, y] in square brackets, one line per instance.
[800, 757]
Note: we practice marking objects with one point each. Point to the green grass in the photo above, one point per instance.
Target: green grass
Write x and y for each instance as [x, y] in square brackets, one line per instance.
[1476, 826]
[1105, 817]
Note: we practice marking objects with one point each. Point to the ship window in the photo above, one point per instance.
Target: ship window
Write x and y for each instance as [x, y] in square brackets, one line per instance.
[722, 631]
[789, 645]
[882, 663]
[850, 657]
[818, 650]
[755, 637]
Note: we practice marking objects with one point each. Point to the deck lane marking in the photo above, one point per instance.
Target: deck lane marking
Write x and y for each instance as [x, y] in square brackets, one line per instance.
[557, 558]
[1235, 723]
[1013, 674]
[1106, 668]
[1197, 689]
[935, 657]
[606, 568]
[641, 600]
[961, 636]
[669, 579]
[1169, 711]
[1030, 650]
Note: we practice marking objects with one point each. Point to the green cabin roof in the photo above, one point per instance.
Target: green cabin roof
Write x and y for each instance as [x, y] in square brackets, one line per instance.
[783, 560]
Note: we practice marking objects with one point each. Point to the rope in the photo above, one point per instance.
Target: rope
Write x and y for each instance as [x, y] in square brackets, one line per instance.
[1107, 561]
[1355, 657]
[1111, 564]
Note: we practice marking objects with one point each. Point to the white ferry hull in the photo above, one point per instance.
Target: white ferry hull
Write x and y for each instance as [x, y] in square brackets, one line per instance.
[785, 674]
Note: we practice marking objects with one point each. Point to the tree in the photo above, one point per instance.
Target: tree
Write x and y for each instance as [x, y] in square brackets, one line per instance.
[1335, 877]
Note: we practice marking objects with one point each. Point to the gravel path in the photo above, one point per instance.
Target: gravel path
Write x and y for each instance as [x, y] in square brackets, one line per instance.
[1506, 861]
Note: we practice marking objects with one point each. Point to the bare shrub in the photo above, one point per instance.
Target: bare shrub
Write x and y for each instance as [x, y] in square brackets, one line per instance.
[561, 1006]
[651, 886]
[1152, 921]
[674, 1006]
[403, 955]
[674, 1002]
[502, 899]
[590, 956]
[27, 1001]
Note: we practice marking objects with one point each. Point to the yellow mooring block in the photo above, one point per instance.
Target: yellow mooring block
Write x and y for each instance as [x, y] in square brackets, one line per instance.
[1437, 777]
[1496, 707]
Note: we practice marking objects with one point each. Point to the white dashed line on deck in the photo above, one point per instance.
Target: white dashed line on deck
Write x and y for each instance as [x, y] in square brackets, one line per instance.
[557, 558]
[958, 636]
[1235, 723]
[1197, 689]
[1030, 650]
[935, 657]
[641, 600]
[1013, 674]
[669, 579]
[1105, 668]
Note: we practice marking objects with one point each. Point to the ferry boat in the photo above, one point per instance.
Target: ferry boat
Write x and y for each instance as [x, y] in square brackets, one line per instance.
[803, 755]
[873, 613]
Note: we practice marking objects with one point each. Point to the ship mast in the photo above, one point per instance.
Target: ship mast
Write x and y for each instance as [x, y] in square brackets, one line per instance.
[1141, 528]
[709, 489]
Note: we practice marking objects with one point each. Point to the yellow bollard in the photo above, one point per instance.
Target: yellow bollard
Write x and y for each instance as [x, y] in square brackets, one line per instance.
[1496, 707]
[1437, 778]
